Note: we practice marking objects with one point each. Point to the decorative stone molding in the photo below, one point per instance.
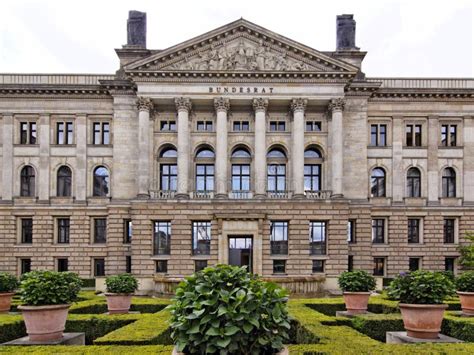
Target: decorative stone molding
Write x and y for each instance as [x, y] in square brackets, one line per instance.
[260, 104]
[298, 104]
[183, 103]
[144, 104]
[336, 104]
[221, 104]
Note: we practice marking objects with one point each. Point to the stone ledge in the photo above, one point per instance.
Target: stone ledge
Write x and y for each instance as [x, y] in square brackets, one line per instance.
[67, 339]
[403, 338]
[352, 315]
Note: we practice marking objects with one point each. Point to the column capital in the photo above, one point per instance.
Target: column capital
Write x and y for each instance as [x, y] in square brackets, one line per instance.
[183, 104]
[336, 104]
[221, 104]
[260, 104]
[144, 104]
[298, 104]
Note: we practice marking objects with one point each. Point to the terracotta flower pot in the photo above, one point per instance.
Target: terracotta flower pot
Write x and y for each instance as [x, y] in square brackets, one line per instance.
[422, 321]
[45, 323]
[5, 301]
[467, 303]
[356, 302]
[284, 351]
[118, 303]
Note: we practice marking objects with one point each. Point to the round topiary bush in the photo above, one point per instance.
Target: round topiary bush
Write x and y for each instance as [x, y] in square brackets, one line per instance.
[41, 288]
[421, 287]
[8, 282]
[225, 309]
[123, 283]
[356, 281]
[465, 282]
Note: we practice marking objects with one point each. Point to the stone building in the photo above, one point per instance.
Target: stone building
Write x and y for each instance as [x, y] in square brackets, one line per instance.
[238, 146]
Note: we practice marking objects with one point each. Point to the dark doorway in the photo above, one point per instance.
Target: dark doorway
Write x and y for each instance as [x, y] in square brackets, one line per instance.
[240, 251]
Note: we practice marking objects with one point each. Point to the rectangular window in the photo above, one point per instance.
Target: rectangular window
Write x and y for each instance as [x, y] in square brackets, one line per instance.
[378, 135]
[127, 231]
[206, 126]
[448, 135]
[101, 133]
[351, 231]
[313, 126]
[241, 177]
[161, 238]
[413, 264]
[162, 266]
[25, 266]
[201, 238]
[449, 230]
[64, 133]
[205, 177]
[318, 266]
[168, 177]
[27, 132]
[99, 267]
[449, 264]
[200, 265]
[63, 265]
[413, 230]
[379, 266]
[241, 126]
[413, 135]
[27, 230]
[276, 178]
[100, 230]
[63, 230]
[168, 126]
[312, 177]
[278, 238]
[277, 126]
[317, 238]
[279, 266]
[378, 231]
[128, 264]
[350, 262]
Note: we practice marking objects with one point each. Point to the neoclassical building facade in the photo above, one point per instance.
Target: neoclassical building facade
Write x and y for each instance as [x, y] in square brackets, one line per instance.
[239, 146]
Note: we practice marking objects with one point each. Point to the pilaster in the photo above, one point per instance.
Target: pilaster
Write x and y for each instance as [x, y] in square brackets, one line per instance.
[43, 181]
[222, 106]
[398, 177]
[7, 158]
[298, 106]
[260, 106]
[336, 106]
[145, 106]
[468, 159]
[183, 106]
[433, 174]
[80, 173]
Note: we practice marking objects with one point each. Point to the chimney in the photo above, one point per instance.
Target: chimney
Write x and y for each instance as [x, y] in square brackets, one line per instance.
[346, 29]
[136, 29]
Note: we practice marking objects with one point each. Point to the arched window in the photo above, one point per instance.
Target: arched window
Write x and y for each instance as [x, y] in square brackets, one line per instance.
[240, 153]
[101, 182]
[205, 170]
[312, 169]
[378, 183]
[27, 182]
[413, 182]
[241, 160]
[276, 153]
[276, 171]
[64, 178]
[449, 182]
[168, 169]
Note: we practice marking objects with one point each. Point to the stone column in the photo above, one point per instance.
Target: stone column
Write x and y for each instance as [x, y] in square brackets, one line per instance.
[183, 106]
[7, 158]
[336, 106]
[260, 106]
[298, 107]
[144, 105]
[433, 176]
[80, 173]
[398, 176]
[44, 143]
[468, 160]
[222, 107]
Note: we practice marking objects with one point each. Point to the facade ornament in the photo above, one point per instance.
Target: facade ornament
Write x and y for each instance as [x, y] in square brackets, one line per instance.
[144, 104]
[260, 104]
[221, 104]
[298, 104]
[336, 104]
[183, 103]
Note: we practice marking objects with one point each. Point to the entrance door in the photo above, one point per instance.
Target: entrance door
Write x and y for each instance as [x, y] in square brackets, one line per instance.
[240, 251]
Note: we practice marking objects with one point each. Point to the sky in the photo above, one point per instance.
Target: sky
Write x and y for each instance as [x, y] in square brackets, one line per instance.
[403, 38]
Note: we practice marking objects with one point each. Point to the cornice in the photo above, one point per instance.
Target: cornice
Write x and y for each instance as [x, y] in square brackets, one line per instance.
[423, 94]
[53, 91]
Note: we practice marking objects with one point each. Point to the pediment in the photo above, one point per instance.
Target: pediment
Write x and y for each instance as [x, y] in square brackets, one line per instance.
[241, 46]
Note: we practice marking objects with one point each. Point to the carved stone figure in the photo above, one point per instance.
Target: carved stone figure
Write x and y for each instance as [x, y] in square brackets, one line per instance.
[260, 56]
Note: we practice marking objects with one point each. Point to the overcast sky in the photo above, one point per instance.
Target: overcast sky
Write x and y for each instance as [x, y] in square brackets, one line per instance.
[407, 38]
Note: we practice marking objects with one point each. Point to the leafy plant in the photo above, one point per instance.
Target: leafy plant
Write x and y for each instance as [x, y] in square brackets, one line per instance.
[39, 288]
[421, 287]
[226, 310]
[466, 259]
[356, 281]
[123, 283]
[465, 282]
[8, 282]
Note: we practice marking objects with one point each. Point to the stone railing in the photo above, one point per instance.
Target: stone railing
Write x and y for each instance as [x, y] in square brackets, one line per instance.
[318, 195]
[162, 194]
[240, 195]
[203, 195]
[54, 79]
[279, 194]
[424, 83]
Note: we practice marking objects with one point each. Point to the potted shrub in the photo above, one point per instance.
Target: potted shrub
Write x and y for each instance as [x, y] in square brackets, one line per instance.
[465, 291]
[356, 288]
[421, 295]
[120, 289]
[46, 298]
[8, 284]
[224, 309]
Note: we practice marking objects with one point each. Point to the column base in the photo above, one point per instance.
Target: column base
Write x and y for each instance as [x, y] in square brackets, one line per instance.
[336, 196]
[260, 196]
[221, 196]
[143, 196]
[299, 196]
[182, 196]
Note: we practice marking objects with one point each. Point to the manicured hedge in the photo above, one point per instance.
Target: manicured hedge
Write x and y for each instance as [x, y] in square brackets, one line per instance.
[99, 305]
[88, 350]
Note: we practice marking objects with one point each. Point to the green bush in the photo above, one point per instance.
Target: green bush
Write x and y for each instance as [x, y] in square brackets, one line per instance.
[356, 281]
[226, 309]
[123, 283]
[465, 282]
[375, 326]
[88, 283]
[421, 287]
[39, 288]
[8, 282]
[466, 259]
